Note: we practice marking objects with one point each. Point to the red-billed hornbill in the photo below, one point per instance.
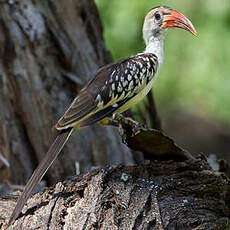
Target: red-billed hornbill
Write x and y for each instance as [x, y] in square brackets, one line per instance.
[113, 89]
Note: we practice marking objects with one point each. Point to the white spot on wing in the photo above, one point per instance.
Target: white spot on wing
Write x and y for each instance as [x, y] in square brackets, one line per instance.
[125, 83]
[98, 98]
[119, 89]
[113, 86]
[131, 85]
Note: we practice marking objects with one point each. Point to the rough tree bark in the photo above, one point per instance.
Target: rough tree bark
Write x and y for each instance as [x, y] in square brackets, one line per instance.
[160, 195]
[48, 49]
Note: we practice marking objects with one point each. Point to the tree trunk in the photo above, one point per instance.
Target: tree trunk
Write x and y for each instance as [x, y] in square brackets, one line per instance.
[48, 50]
[160, 195]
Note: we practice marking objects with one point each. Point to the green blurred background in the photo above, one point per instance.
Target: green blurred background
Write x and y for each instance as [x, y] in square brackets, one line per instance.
[195, 78]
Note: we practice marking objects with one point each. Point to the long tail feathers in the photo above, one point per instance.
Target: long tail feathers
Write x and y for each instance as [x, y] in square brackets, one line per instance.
[40, 171]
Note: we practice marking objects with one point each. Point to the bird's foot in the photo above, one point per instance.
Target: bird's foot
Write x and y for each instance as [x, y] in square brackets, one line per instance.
[124, 120]
[127, 126]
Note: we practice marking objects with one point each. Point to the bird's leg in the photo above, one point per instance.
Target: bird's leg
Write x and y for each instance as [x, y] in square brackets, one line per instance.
[124, 124]
[127, 126]
[112, 122]
[124, 121]
[115, 123]
[109, 122]
[119, 118]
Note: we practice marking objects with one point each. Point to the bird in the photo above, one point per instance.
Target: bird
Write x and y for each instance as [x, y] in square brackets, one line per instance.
[113, 89]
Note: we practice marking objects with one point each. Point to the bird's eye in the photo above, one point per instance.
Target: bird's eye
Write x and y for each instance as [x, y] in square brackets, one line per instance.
[157, 16]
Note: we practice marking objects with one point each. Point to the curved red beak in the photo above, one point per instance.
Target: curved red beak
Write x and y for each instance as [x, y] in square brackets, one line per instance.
[176, 19]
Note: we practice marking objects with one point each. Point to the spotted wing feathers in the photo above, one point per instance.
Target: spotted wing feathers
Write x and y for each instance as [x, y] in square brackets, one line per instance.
[111, 87]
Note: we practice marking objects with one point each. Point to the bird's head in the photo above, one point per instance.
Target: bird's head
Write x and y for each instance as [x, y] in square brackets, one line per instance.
[160, 19]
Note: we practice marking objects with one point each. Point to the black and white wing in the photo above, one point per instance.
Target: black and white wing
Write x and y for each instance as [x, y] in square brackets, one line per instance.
[111, 87]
